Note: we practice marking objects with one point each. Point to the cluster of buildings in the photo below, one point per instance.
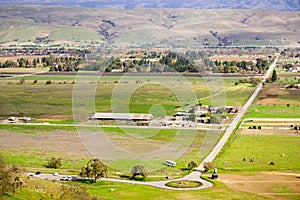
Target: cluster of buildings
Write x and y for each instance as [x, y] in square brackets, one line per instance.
[184, 118]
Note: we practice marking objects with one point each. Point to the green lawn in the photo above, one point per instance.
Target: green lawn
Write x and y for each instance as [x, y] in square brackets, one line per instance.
[280, 149]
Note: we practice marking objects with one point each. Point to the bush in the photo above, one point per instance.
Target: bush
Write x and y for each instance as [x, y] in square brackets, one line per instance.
[10, 179]
[48, 82]
[35, 82]
[55, 163]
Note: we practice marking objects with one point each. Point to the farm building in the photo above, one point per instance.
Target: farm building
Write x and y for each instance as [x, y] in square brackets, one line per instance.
[122, 116]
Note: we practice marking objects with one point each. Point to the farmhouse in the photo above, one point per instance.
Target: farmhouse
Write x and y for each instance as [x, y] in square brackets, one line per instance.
[122, 116]
[178, 121]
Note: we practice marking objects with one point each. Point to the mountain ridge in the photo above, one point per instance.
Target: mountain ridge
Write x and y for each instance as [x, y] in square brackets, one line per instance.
[281, 5]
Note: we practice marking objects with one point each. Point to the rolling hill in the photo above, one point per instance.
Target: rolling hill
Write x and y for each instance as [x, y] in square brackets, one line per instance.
[158, 27]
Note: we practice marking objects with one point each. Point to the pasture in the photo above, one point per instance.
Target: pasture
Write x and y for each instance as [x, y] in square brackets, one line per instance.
[37, 99]
[281, 149]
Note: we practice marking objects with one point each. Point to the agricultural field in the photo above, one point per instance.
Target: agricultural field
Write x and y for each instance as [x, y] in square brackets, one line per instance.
[275, 101]
[269, 155]
[281, 149]
[51, 96]
[262, 164]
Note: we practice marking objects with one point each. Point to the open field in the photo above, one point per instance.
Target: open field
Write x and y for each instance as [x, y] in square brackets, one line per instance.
[273, 112]
[41, 100]
[31, 146]
[269, 184]
[281, 149]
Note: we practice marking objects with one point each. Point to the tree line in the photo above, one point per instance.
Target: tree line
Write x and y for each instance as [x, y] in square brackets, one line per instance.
[55, 63]
[259, 66]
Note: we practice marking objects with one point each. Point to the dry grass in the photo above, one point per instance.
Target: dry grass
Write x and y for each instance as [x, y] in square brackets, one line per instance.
[152, 26]
[23, 70]
[272, 185]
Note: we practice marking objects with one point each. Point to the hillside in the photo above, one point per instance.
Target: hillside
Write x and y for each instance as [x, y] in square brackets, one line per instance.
[287, 5]
[159, 27]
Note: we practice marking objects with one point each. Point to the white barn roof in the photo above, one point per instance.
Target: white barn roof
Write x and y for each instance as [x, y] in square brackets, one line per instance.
[122, 116]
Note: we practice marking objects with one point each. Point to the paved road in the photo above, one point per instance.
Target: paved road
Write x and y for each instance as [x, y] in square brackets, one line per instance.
[237, 118]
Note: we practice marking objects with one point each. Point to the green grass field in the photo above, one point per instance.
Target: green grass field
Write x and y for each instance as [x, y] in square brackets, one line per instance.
[273, 112]
[280, 149]
[41, 100]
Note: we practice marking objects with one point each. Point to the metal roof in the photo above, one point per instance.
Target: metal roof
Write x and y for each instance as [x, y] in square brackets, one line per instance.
[122, 116]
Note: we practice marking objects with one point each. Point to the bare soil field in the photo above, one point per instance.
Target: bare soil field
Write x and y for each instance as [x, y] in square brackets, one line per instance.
[269, 131]
[16, 58]
[234, 58]
[60, 143]
[275, 95]
[23, 70]
[273, 185]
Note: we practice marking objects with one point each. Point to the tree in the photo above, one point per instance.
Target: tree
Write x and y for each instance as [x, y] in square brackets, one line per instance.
[22, 63]
[192, 165]
[94, 169]
[138, 170]
[55, 163]
[9, 178]
[274, 76]
[207, 166]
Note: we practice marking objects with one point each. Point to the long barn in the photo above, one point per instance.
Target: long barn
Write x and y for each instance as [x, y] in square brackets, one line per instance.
[123, 116]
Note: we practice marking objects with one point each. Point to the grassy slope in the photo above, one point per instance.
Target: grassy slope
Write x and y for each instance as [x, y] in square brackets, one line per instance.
[149, 26]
